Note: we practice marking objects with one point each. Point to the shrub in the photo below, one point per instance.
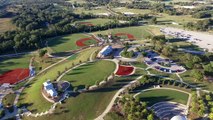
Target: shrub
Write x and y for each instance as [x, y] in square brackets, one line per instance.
[2, 113]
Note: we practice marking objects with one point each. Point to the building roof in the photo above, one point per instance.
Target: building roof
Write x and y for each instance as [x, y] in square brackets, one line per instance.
[179, 117]
[48, 86]
[106, 50]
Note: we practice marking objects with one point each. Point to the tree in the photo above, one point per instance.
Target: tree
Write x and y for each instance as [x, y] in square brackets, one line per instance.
[197, 74]
[42, 53]
[208, 68]
[150, 117]
[196, 59]
[2, 113]
[189, 64]
[153, 20]
[59, 73]
[211, 116]
[166, 51]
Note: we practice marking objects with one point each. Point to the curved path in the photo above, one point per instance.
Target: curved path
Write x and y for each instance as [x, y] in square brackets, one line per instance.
[101, 117]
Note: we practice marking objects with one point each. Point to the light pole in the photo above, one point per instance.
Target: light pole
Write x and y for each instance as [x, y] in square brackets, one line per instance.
[14, 47]
[46, 44]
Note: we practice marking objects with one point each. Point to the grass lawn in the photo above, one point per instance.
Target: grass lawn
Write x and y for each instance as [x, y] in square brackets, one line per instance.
[6, 25]
[97, 21]
[35, 102]
[67, 43]
[140, 64]
[173, 76]
[155, 96]
[42, 63]
[182, 19]
[86, 106]
[202, 84]
[136, 11]
[90, 73]
[8, 99]
[7, 64]
[139, 32]
[94, 11]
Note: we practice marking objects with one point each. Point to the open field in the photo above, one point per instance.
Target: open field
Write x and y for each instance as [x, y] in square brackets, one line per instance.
[6, 25]
[93, 11]
[182, 19]
[135, 11]
[155, 96]
[98, 21]
[77, 108]
[13, 63]
[35, 101]
[90, 73]
[139, 32]
[78, 1]
[67, 43]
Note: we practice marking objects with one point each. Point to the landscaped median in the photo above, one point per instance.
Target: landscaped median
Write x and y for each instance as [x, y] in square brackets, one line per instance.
[32, 98]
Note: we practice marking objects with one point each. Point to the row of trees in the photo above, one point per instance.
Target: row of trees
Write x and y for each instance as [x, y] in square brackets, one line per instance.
[197, 109]
[130, 108]
[202, 25]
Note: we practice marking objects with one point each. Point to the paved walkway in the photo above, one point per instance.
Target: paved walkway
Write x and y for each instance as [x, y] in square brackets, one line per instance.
[101, 117]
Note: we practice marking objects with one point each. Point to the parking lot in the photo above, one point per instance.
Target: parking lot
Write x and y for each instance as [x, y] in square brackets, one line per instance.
[203, 40]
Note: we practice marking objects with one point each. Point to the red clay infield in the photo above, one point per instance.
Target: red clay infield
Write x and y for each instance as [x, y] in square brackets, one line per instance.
[124, 70]
[130, 36]
[14, 76]
[80, 42]
[86, 23]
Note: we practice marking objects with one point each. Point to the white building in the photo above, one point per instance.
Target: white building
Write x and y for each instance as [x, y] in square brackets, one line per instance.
[48, 87]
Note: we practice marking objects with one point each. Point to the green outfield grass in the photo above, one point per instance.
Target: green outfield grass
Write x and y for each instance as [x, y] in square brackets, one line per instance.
[97, 21]
[32, 97]
[90, 73]
[67, 43]
[13, 63]
[160, 95]
[139, 32]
